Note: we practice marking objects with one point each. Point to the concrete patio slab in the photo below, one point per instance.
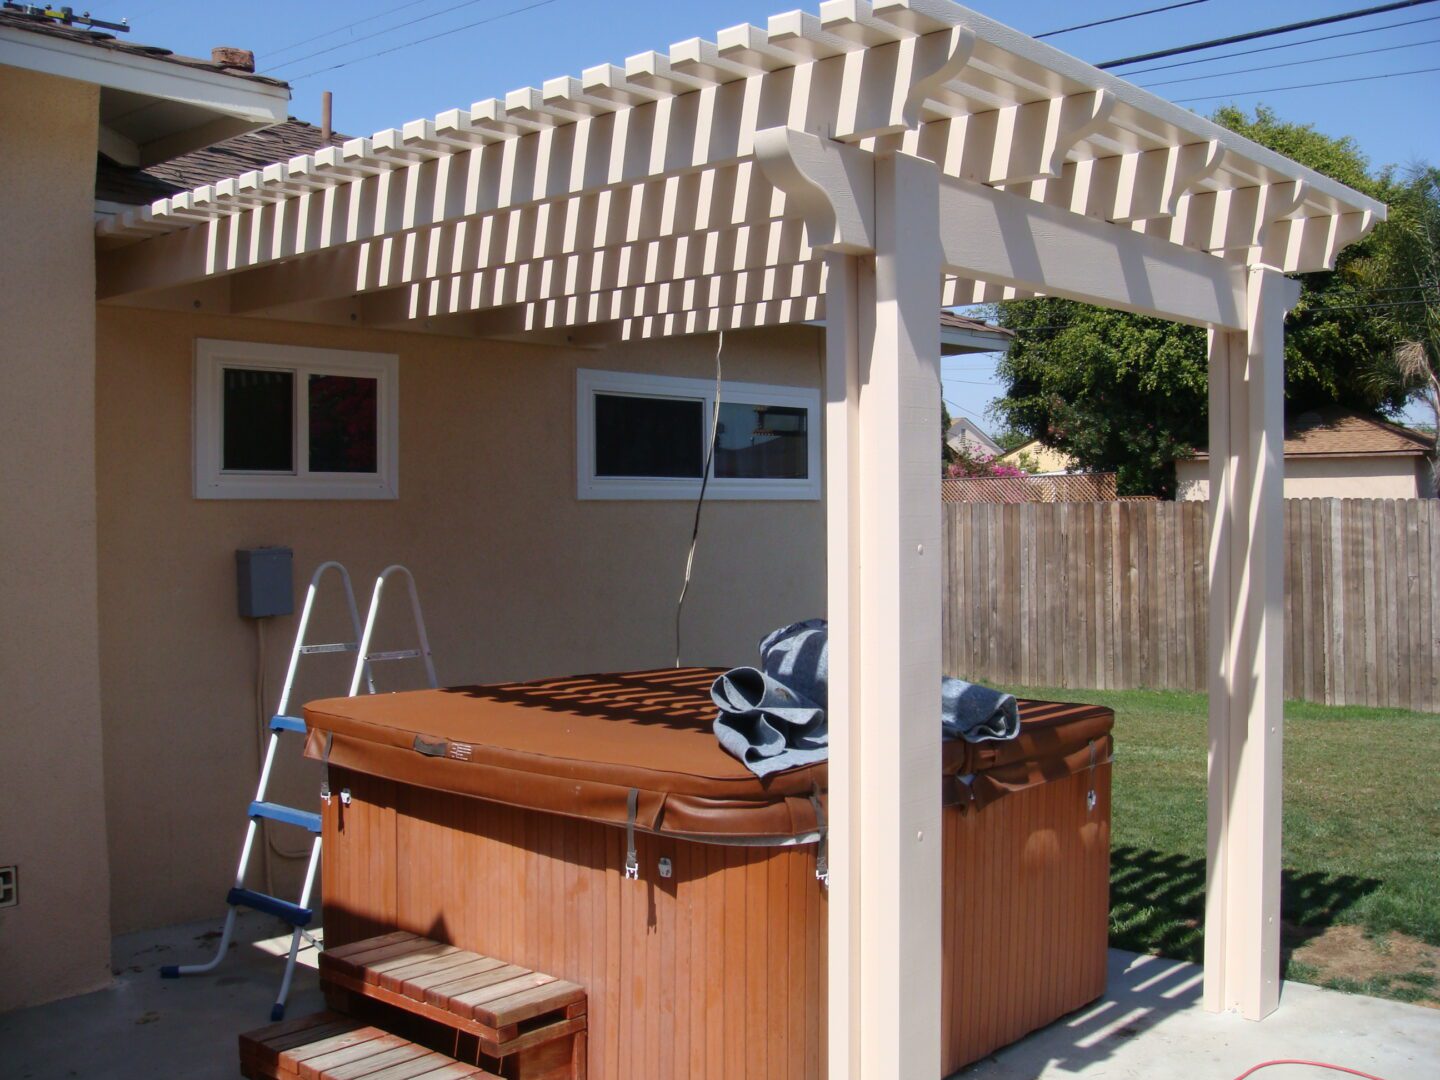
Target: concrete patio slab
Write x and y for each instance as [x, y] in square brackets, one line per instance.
[1149, 1026]
[144, 1026]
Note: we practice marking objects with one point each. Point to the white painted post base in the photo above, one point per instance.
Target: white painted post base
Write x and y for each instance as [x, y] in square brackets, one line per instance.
[1242, 899]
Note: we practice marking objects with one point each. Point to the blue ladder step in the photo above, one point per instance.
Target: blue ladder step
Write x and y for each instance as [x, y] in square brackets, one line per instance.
[293, 914]
[288, 814]
[288, 723]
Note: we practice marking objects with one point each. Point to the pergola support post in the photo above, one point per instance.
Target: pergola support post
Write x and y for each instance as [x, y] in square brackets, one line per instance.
[1246, 652]
[883, 487]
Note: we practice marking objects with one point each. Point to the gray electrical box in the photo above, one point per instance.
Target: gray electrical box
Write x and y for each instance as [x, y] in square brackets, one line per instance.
[264, 581]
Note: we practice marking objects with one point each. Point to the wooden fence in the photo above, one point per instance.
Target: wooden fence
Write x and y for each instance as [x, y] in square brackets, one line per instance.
[1112, 595]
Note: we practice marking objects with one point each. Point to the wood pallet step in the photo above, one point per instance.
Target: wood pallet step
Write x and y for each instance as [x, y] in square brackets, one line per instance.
[507, 1007]
[329, 1046]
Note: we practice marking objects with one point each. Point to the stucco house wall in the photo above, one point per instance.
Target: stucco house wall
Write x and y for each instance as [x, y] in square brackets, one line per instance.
[518, 577]
[56, 941]
[1378, 476]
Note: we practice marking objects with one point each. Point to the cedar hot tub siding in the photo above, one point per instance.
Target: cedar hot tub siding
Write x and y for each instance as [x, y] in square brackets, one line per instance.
[720, 970]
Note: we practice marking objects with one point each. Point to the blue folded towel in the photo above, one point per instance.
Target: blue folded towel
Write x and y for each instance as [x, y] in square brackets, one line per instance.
[774, 719]
[766, 724]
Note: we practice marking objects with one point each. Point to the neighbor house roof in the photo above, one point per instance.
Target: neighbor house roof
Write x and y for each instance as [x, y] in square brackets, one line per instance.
[251, 150]
[960, 322]
[1339, 432]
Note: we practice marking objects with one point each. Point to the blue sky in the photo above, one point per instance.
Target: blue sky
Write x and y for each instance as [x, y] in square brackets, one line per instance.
[483, 48]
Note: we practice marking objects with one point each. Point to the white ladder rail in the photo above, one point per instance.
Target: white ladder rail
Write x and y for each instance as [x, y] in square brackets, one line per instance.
[298, 915]
[365, 657]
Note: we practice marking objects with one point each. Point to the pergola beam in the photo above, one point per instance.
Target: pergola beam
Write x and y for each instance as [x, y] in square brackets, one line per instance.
[1010, 240]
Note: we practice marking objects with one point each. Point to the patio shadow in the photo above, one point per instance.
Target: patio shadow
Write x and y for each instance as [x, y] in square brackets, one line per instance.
[1157, 903]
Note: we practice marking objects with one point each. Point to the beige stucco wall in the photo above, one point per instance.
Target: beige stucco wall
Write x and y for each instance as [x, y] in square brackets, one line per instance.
[1373, 477]
[52, 811]
[518, 577]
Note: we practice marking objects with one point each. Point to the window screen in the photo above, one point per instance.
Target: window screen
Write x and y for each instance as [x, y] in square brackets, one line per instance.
[259, 421]
[762, 442]
[649, 436]
[344, 424]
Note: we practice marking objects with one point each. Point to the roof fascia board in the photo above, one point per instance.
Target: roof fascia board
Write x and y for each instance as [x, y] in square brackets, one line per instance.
[1063, 64]
[254, 102]
[955, 340]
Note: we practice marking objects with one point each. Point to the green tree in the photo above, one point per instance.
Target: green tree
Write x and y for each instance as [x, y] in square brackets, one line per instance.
[1406, 264]
[1127, 394]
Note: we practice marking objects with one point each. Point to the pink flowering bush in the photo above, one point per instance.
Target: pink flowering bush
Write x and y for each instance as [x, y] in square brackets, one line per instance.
[970, 463]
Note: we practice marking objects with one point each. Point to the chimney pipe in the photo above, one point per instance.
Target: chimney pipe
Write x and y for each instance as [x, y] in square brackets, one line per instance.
[325, 99]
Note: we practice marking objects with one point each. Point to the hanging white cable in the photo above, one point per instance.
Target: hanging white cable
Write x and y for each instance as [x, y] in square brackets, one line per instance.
[700, 502]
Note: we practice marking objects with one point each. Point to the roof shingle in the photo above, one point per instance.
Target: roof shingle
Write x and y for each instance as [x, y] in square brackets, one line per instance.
[1340, 432]
[40, 24]
[252, 150]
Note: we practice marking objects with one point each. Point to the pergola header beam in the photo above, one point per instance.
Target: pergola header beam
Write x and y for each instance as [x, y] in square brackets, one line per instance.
[998, 237]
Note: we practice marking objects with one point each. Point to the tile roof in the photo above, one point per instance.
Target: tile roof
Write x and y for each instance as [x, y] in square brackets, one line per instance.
[1339, 432]
[40, 24]
[252, 150]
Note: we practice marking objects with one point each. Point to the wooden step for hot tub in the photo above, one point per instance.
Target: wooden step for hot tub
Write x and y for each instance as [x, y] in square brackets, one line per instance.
[508, 1009]
[328, 1046]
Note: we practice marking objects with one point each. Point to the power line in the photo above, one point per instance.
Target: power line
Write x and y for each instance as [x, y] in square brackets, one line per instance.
[389, 10]
[1119, 18]
[1293, 63]
[1235, 39]
[1308, 86]
[1319, 309]
[1283, 45]
[421, 41]
[377, 33]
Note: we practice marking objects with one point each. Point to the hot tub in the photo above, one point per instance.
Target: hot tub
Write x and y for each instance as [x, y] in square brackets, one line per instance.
[499, 819]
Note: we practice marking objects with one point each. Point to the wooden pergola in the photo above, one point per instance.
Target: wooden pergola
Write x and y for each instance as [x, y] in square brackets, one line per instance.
[859, 166]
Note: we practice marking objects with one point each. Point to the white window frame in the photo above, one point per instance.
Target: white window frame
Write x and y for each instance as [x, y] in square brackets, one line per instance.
[213, 482]
[589, 383]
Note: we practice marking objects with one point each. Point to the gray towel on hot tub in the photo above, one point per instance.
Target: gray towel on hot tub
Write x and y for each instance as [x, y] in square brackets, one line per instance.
[775, 719]
[976, 713]
[767, 725]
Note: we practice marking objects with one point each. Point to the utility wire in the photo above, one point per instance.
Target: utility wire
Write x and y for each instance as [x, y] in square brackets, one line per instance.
[1119, 18]
[1319, 309]
[389, 10]
[421, 41]
[1293, 63]
[1288, 28]
[1308, 86]
[1283, 45]
[377, 33]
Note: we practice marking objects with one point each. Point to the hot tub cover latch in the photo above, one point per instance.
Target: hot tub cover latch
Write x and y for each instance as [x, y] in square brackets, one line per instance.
[632, 861]
[1090, 797]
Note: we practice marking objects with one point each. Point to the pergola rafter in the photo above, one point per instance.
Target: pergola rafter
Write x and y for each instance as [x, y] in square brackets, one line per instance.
[862, 165]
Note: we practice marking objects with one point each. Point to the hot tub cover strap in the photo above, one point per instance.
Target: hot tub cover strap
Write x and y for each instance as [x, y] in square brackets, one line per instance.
[822, 845]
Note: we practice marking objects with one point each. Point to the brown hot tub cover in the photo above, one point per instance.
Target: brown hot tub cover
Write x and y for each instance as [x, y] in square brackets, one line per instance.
[579, 746]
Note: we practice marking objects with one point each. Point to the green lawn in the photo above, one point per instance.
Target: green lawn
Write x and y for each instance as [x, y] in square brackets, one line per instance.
[1361, 892]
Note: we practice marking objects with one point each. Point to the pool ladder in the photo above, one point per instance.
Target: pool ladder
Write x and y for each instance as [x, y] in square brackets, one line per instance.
[299, 915]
